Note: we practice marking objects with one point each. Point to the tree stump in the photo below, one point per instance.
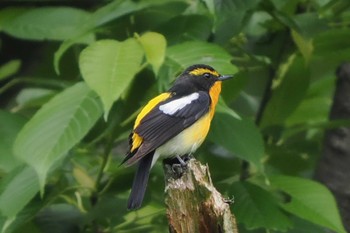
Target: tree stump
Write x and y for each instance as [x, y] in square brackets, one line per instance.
[333, 167]
[193, 203]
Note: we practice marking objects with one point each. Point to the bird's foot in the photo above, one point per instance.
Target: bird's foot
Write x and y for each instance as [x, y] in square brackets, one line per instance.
[179, 168]
[187, 157]
[229, 200]
[182, 161]
[178, 164]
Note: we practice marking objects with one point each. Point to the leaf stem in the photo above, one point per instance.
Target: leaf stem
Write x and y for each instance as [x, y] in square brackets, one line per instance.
[266, 97]
[105, 158]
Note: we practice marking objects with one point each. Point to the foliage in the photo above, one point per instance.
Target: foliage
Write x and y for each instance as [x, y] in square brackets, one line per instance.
[69, 101]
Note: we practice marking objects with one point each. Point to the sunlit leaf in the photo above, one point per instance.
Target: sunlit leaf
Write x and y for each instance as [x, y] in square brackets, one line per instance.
[154, 45]
[310, 200]
[305, 45]
[56, 128]
[108, 67]
[103, 15]
[9, 68]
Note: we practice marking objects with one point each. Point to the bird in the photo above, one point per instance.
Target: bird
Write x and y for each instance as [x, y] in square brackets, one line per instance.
[172, 124]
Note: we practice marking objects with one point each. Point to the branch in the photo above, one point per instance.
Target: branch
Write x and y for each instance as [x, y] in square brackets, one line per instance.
[193, 203]
[333, 167]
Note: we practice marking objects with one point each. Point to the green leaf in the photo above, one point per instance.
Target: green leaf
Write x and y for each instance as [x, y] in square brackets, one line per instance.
[101, 16]
[257, 208]
[333, 47]
[115, 10]
[311, 110]
[24, 218]
[316, 105]
[9, 14]
[9, 68]
[304, 45]
[60, 218]
[10, 126]
[53, 23]
[240, 136]
[310, 24]
[109, 66]
[33, 97]
[197, 52]
[230, 16]
[288, 94]
[223, 108]
[307, 24]
[17, 189]
[256, 26]
[87, 38]
[56, 128]
[310, 200]
[154, 45]
[185, 27]
[83, 178]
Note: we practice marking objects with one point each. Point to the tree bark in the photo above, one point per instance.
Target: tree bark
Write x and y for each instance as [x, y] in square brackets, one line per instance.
[193, 203]
[334, 165]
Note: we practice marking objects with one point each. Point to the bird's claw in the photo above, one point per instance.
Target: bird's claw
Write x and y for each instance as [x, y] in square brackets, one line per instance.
[229, 200]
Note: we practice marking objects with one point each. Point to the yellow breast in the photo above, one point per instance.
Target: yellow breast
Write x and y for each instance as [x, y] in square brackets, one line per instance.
[188, 140]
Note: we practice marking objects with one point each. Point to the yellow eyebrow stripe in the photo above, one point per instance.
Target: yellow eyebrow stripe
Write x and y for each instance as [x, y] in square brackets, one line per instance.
[200, 71]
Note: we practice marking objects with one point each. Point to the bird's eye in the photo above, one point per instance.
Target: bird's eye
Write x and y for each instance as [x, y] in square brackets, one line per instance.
[206, 75]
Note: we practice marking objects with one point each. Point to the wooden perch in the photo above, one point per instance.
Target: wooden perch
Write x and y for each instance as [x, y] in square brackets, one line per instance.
[333, 166]
[193, 203]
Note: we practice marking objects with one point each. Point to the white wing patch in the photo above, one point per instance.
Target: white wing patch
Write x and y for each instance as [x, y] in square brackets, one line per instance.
[178, 104]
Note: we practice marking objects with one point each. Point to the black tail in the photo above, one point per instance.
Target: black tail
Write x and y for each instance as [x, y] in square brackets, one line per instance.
[140, 182]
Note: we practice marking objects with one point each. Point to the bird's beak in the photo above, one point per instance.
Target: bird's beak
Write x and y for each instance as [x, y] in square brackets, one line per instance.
[224, 77]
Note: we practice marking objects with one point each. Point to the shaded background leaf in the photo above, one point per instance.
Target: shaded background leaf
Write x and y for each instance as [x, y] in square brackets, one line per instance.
[17, 190]
[48, 136]
[306, 198]
[10, 126]
[239, 136]
[54, 23]
[256, 208]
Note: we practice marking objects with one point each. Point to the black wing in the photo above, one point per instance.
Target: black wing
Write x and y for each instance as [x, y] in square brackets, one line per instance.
[157, 127]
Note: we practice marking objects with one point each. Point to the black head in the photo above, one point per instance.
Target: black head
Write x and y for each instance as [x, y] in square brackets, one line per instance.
[200, 77]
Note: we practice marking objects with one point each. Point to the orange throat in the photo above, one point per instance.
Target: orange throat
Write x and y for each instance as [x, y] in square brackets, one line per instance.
[214, 95]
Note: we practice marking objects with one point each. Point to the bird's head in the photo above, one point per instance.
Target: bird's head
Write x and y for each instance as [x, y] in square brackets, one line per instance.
[202, 77]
